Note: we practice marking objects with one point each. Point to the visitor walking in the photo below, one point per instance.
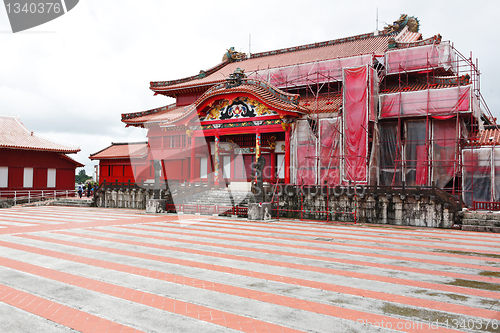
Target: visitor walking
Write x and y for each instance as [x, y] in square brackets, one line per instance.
[80, 190]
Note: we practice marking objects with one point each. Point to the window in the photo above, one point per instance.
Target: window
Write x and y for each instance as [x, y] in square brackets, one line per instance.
[203, 168]
[4, 176]
[281, 165]
[166, 142]
[174, 141]
[51, 178]
[28, 177]
[226, 169]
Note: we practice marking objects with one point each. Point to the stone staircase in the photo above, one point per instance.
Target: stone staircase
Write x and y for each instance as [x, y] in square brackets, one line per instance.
[218, 197]
[72, 202]
[483, 221]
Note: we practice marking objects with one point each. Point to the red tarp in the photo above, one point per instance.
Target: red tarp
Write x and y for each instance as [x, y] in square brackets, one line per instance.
[421, 177]
[419, 58]
[444, 150]
[306, 153]
[416, 156]
[431, 101]
[374, 87]
[356, 123]
[330, 151]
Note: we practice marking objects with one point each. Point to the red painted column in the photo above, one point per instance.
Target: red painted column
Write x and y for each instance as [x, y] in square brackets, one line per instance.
[273, 167]
[257, 151]
[287, 155]
[217, 160]
[193, 158]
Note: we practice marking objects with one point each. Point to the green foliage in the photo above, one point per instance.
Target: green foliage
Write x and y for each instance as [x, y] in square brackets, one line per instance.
[81, 177]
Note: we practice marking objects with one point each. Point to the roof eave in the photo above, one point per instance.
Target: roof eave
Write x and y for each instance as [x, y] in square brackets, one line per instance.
[42, 149]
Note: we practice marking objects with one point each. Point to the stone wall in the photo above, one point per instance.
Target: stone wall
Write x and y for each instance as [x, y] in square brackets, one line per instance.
[134, 198]
[390, 208]
[403, 210]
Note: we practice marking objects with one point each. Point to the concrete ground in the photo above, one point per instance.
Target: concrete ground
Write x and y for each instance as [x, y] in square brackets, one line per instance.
[65, 269]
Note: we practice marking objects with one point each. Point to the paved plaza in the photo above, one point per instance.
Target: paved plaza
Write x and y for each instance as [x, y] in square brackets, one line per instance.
[66, 269]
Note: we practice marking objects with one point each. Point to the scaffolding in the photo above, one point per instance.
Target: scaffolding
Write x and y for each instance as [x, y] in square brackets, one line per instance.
[427, 106]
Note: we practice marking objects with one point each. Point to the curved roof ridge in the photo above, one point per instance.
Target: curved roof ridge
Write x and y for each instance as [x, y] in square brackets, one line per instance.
[276, 92]
[261, 89]
[202, 74]
[132, 115]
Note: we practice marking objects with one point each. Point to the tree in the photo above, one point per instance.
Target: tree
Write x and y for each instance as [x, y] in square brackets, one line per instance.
[81, 177]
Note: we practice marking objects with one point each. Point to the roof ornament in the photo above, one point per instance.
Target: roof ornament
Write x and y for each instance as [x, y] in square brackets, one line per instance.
[233, 56]
[404, 20]
[235, 79]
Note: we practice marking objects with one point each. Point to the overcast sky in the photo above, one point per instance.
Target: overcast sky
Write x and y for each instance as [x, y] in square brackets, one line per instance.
[72, 78]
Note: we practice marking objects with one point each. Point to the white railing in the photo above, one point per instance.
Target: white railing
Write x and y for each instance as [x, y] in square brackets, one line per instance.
[35, 195]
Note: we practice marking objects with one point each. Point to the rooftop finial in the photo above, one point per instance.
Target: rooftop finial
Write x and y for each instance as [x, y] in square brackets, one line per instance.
[235, 78]
[404, 20]
[233, 55]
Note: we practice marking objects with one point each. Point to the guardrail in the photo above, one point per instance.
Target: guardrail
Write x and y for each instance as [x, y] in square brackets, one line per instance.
[207, 209]
[485, 205]
[299, 189]
[30, 196]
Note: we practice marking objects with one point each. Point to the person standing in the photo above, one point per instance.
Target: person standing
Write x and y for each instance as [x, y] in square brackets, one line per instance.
[80, 190]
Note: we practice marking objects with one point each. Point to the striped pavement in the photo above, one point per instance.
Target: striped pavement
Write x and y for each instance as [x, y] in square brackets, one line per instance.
[67, 269]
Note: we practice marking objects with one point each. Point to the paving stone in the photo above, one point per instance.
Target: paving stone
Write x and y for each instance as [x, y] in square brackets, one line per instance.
[97, 270]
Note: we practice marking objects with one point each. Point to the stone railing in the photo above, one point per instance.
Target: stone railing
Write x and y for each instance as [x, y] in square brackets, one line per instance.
[133, 198]
[408, 206]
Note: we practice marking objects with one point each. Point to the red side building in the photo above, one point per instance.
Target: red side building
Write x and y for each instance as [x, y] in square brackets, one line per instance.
[28, 162]
[124, 162]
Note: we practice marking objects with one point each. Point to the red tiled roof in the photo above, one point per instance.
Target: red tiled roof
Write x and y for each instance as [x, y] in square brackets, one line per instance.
[341, 48]
[273, 96]
[165, 114]
[14, 135]
[323, 104]
[122, 150]
[487, 137]
[66, 157]
[413, 86]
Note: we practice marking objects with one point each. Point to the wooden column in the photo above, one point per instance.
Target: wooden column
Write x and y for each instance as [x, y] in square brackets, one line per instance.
[193, 158]
[257, 151]
[287, 155]
[257, 144]
[273, 166]
[217, 161]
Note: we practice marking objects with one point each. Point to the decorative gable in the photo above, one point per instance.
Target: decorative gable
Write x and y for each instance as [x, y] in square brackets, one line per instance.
[241, 107]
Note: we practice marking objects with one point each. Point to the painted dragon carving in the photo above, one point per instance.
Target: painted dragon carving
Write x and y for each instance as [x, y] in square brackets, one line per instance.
[404, 21]
[233, 55]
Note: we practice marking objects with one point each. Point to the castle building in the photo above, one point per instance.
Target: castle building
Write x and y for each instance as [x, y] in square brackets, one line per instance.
[386, 108]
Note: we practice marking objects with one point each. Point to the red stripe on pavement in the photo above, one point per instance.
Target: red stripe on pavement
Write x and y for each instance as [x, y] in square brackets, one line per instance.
[324, 249]
[306, 256]
[476, 256]
[412, 283]
[281, 300]
[171, 305]
[58, 313]
[406, 300]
